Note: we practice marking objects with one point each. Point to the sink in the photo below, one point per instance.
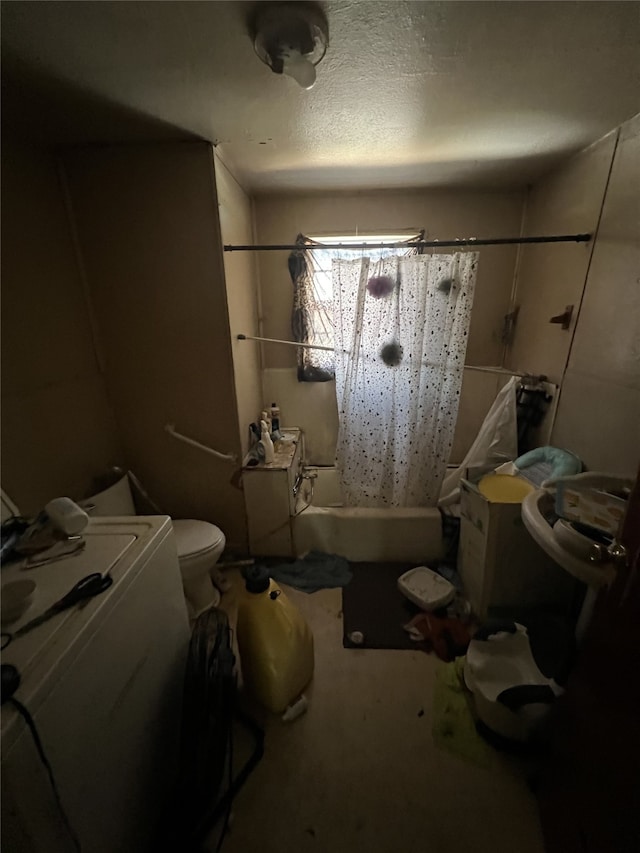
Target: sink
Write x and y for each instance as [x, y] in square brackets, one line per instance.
[538, 517]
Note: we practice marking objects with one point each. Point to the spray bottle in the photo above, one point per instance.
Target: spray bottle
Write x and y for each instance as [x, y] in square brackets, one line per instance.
[265, 438]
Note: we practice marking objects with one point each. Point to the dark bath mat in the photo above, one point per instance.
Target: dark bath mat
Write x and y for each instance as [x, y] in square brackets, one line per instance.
[373, 605]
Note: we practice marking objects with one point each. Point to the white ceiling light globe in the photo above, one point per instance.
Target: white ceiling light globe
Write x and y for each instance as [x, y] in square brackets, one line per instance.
[297, 66]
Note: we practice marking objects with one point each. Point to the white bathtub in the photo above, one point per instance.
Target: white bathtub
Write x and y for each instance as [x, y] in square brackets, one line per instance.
[361, 533]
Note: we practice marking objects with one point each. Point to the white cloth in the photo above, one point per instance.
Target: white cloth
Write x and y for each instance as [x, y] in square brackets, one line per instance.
[496, 441]
[397, 422]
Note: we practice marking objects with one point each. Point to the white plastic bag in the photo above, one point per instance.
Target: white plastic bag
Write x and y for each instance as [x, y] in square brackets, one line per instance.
[496, 442]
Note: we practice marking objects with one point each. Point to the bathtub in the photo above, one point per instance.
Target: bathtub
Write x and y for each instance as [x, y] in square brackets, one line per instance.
[361, 533]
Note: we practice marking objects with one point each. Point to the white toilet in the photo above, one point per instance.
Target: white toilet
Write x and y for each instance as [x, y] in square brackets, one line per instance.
[199, 545]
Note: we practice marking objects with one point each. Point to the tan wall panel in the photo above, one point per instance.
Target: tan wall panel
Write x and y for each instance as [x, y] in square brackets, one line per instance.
[552, 276]
[310, 405]
[236, 226]
[599, 410]
[148, 226]
[58, 431]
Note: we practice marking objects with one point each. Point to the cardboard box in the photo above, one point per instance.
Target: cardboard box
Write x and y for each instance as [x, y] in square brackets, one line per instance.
[499, 563]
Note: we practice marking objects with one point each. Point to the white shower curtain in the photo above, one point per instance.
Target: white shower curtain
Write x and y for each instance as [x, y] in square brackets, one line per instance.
[397, 421]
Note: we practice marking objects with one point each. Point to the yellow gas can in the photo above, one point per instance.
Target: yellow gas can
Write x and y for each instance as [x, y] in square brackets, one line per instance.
[275, 643]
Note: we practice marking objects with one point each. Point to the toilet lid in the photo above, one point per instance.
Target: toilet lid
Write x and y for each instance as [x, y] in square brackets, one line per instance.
[194, 537]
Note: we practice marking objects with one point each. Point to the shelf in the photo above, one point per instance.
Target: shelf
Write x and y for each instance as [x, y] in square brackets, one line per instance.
[284, 453]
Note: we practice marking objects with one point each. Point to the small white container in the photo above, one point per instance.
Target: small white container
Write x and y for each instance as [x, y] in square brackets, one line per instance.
[67, 516]
[426, 588]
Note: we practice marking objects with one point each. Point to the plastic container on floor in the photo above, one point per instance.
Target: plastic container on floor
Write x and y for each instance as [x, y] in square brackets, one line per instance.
[275, 643]
[426, 588]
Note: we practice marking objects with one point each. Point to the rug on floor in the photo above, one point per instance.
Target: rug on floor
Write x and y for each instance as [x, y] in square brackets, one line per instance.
[374, 607]
[376, 615]
[454, 728]
[312, 572]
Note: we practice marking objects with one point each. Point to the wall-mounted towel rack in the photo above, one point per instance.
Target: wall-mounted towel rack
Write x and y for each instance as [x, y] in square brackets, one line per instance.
[228, 457]
[503, 371]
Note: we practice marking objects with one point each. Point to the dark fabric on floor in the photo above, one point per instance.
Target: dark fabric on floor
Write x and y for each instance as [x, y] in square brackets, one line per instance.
[373, 605]
[313, 572]
[448, 638]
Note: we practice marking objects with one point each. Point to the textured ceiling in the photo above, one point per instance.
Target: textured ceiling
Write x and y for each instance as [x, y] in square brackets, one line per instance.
[409, 94]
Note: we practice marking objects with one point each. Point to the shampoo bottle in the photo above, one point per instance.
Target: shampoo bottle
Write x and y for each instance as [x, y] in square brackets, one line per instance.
[265, 438]
[275, 418]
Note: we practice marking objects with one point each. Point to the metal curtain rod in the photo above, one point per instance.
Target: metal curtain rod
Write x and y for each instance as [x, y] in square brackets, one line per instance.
[413, 244]
[501, 370]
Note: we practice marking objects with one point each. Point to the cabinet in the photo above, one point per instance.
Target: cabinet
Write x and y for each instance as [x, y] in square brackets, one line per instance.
[500, 565]
[269, 498]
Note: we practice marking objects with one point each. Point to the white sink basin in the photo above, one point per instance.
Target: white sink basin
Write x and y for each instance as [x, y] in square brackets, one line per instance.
[537, 507]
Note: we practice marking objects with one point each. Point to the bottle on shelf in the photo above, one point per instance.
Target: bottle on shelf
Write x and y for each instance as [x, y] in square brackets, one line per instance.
[275, 418]
[267, 443]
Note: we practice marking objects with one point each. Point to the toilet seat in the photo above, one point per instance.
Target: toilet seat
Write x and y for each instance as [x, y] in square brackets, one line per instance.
[196, 538]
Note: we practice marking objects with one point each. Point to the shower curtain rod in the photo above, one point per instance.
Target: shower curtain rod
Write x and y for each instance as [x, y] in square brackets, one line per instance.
[413, 244]
[501, 370]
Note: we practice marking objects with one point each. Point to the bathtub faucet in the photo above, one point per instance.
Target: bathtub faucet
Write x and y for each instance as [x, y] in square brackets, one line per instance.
[302, 475]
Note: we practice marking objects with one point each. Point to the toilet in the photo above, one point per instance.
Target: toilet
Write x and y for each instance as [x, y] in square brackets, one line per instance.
[199, 545]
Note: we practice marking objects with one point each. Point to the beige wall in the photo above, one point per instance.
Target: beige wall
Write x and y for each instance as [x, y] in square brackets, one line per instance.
[552, 276]
[444, 214]
[58, 431]
[148, 228]
[599, 410]
[240, 268]
[597, 360]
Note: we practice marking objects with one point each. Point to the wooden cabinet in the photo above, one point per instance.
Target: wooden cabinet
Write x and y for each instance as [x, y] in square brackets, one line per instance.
[270, 502]
[500, 565]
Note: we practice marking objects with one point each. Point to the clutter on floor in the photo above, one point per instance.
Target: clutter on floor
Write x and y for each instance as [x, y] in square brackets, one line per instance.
[454, 728]
[375, 611]
[312, 572]
[373, 608]
[515, 681]
[447, 637]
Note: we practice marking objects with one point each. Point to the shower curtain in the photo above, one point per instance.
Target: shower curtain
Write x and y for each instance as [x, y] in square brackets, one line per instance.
[401, 329]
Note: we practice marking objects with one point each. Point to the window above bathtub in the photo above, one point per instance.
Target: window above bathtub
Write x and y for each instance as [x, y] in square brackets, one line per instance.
[310, 271]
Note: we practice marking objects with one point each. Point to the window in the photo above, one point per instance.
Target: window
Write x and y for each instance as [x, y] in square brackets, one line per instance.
[313, 294]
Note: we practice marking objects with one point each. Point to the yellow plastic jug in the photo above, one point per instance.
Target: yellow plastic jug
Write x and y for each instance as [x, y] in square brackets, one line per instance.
[275, 642]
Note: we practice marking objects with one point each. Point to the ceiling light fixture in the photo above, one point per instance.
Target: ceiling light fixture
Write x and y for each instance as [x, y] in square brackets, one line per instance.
[291, 38]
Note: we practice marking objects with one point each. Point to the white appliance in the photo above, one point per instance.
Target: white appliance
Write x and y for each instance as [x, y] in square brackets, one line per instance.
[103, 682]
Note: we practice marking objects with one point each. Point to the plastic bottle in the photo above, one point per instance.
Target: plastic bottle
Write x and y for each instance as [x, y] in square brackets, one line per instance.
[275, 418]
[266, 417]
[275, 642]
[265, 438]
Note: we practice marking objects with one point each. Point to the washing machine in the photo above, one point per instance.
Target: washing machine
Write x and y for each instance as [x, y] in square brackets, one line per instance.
[103, 682]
